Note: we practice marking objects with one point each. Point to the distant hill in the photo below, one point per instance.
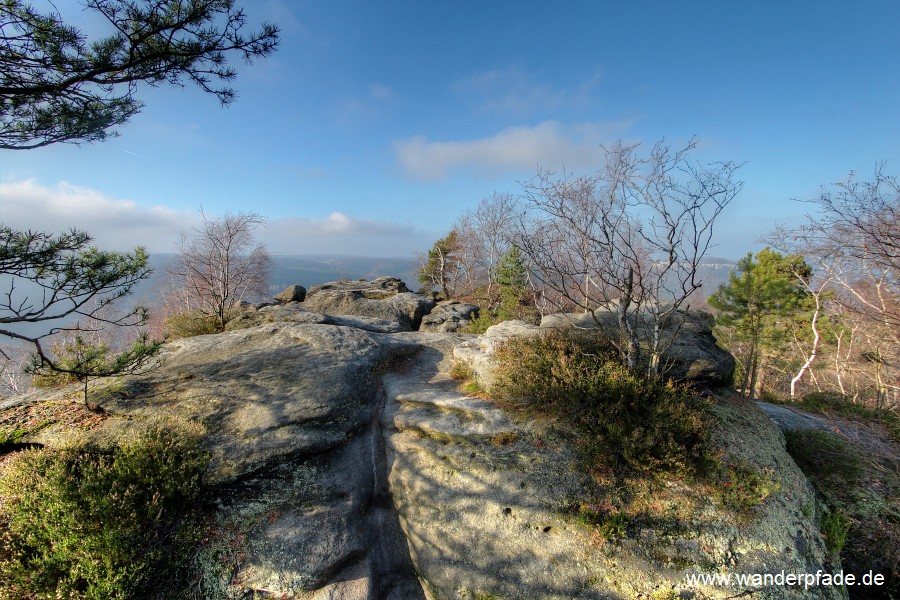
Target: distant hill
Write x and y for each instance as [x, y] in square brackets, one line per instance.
[310, 270]
[305, 270]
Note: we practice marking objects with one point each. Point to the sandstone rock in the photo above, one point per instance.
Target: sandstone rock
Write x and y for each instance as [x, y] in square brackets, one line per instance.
[347, 464]
[485, 500]
[478, 353]
[693, 355]
[385, 298]
[293, 293]
[449, 316]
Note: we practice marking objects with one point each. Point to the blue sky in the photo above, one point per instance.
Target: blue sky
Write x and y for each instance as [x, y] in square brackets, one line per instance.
[376, 124]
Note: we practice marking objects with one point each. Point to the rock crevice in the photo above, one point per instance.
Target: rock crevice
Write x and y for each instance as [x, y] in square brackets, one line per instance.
[347, 464]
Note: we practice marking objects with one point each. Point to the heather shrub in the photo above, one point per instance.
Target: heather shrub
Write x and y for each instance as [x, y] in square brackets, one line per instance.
[627, 422]
[189, 324]
[84, 525]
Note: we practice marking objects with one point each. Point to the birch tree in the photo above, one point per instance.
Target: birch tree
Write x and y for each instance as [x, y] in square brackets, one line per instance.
[628, 239]
[220, 265]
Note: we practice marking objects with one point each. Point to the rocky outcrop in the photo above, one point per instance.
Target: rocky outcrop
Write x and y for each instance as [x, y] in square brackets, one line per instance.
[347, 464]
[485, 501]
[384, 298]
[449, 317]
[289, 413]
[293, 293]
[692, 356]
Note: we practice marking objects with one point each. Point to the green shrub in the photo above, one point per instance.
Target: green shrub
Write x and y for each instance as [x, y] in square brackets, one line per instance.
[99, 526]
[481, 323]
[742, 488]
[626, 421]
[834, 526]
[825, 457]
[189, 324]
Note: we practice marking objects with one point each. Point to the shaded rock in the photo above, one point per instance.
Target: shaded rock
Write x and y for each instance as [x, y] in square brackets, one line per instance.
[449, 317]
[693, 355]
[293, 293]
[385, 298]
[478, 353]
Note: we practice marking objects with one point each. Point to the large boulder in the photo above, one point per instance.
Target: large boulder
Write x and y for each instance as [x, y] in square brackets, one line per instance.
[287, 412]
[293, 293]
[384, 298]
[449, 317]
[693, 354]
[486, 500]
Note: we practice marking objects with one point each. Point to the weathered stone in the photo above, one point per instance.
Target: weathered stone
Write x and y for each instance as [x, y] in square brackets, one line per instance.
[293, 293]
[692, 356]
[385, 298]
[449, 317]
[478, 353]
[347, 464]
[484, 500]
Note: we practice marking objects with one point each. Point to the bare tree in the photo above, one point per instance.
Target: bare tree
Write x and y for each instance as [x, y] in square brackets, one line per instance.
[853, 237]
[629, 239]
[484, 236]
[219, 266]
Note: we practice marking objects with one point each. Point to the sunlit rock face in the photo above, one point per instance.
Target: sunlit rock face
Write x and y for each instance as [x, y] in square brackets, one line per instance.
[345, 463]
[384, 298]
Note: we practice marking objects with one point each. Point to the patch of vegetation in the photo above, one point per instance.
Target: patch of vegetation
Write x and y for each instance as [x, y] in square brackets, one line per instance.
[742, 488]
[83, 525]
[841, 406]
[18, 422]
[863, 524]
[505, 438]
[472, 388]
[11, 436]
[827, 458]
[488, 316]
[627, 422]
[834, 526]
[607, 525]
[189, 324]
[481, 323]
[461, 371]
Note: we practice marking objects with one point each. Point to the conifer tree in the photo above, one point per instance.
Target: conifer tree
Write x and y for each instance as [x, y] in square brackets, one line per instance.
[440, 266]
[761, 296]
[511, 278]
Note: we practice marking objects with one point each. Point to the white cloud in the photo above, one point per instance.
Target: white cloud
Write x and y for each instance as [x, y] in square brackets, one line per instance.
[340, 233]
[364, 106]
[515, 91]
[114, 223]
[122, 225]
[548, 144]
